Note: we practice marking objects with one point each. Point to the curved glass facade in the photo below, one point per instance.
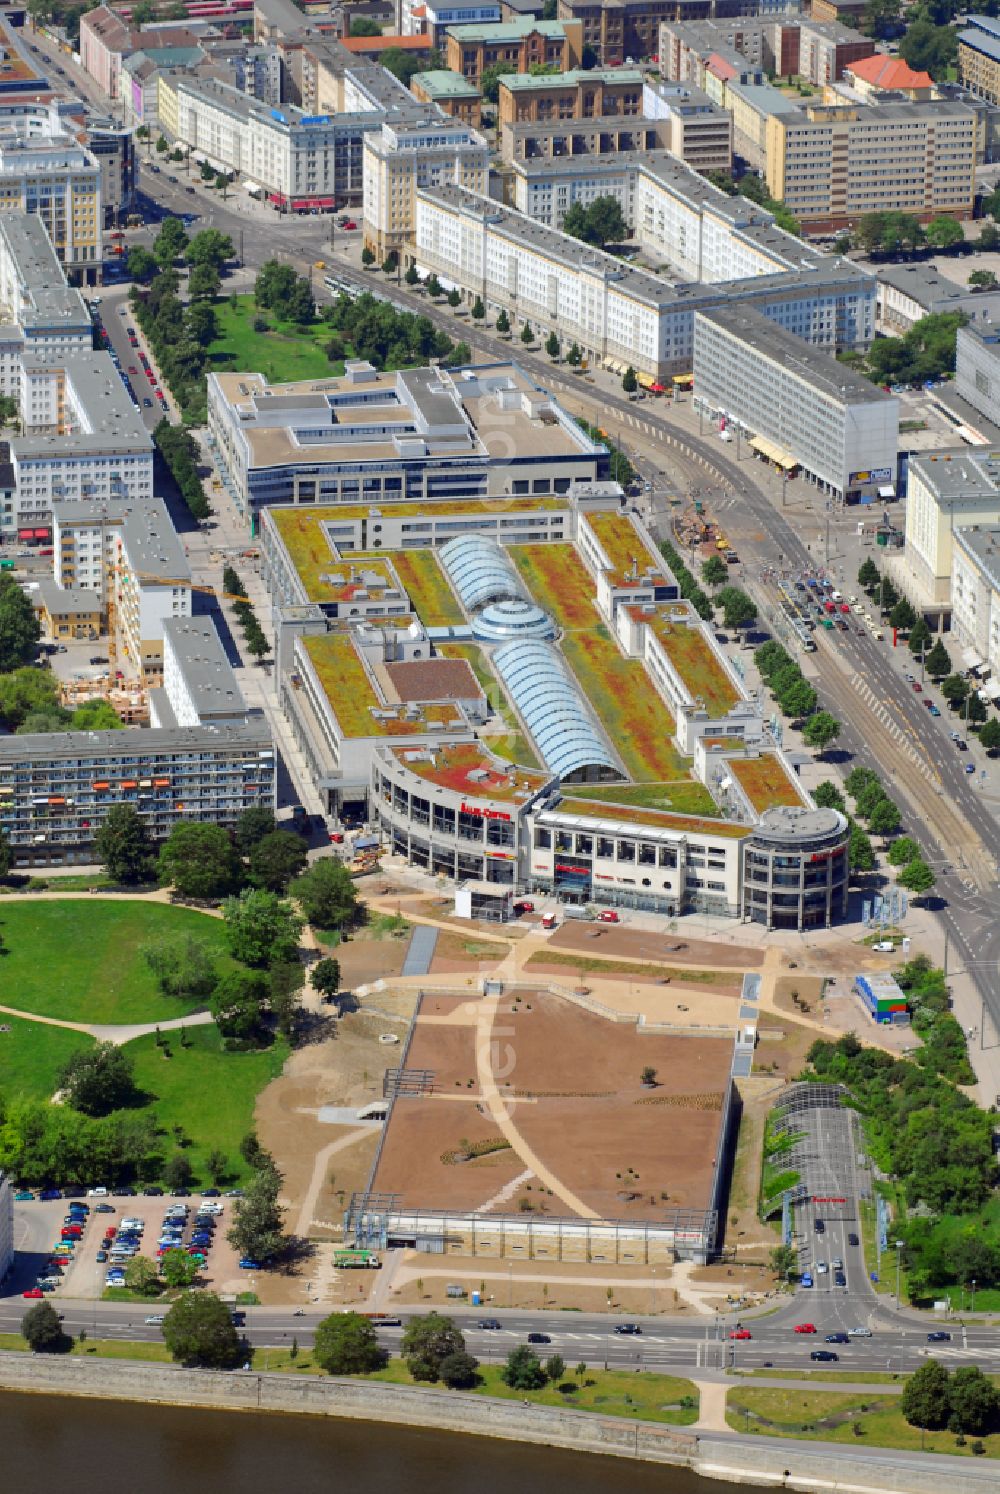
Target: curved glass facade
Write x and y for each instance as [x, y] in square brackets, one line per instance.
[479, 571]
[554, 711]
[505, 620]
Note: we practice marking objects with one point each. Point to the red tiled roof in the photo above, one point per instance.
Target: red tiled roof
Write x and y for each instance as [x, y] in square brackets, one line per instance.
[888, 72]
[383, 43]
[719, 68]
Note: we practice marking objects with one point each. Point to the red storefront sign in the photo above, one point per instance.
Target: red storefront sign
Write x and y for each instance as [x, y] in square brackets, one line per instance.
[484, 814]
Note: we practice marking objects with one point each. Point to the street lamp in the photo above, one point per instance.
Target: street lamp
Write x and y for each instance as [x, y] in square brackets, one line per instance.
[899, 1253]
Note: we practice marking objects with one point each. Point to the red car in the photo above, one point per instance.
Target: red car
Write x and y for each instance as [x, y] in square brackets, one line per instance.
[844, 607]
[918, 687]
[524, 907]
[33, 1292]
[805, 1327]
[349, 225]
[608, 915]
[741, 1333]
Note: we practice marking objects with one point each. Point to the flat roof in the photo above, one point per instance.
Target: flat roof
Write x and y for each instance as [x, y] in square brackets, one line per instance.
[38, 748]
[358, 706]
[924, 283]
[694, 659]
[624, 546]
[470, 768]
[982, 544]
[959, 475]
[41, 277]
[201, 659]
[500, 31]
[112, 421]
[72, 601]
[628, 77]
[154, 547]
[818, 369]
[765, 781]
[441, 83]
[631, 815]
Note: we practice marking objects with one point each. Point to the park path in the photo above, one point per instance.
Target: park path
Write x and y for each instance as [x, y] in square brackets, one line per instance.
[110, 1032]
[711, 1407]
[323, 1156]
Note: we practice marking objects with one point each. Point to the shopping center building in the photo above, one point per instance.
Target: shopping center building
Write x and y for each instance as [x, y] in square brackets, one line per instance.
[512, 695]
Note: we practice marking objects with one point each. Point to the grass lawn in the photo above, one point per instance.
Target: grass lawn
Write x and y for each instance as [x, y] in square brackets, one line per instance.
[831, 1416]
[32, 1057]
[644, 1397]
[684, 796]
[852, 1377]
[79, 960]
[206, 1091]
[284, 353]
[101, 1348]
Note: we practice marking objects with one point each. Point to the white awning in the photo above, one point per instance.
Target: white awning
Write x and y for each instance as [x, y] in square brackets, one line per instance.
[887, 491]
[252, 187]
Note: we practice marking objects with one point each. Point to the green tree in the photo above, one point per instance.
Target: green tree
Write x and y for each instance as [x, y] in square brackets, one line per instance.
[327, 894]
[325, 977]
[98, 1080]
[523, 1370]
[200, 323]
[885, 819]
[142, 1276]
[925, 1401]
[177, 1173]
[574, 357]
[503, 321]
[489, 81]
[123, 845]
[798, 699]
[412, 277]
[975, 708]
[938, 662]
[715, 572]
[42, 1330]
[367, 257]
[217, 1165]
[630, 380]
[917, 877]
[552, 345]
[555, 1368]
[527, 336]
[990, 735]
[258, 1226]
[434, 286]
[858, 779]
[902, 615]
[919, 640]
[600, 222]
[902, 850]
[346, 1344]
[944, 232]
[860, 854]
[261, 928]
[820, 730]
[828, 796]
[254, 823]
[198, 1330]
[405, 65]
[277, 859]
[784, 1260]
[955, 689]
[972, 1401]
[178, 1269]
[478, 310]
[199, 861]
[96, 715]
[19, 627]
[738, 610]
[184, 966]
[454, 297]
[365, 26]
[459, 1371]
[983, 279]
[285, 981]
[868, 575]
[929, 48]
[6, 856]
[212, 247]
[427, 1341]
[170, 242]
[238, 1005]
[141, 264]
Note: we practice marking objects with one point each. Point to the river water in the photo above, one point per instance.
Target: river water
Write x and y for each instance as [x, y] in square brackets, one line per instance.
[49, 1443]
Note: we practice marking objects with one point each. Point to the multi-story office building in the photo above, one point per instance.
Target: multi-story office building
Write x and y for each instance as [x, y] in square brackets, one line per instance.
[130, 555]
[908, 292]
[797, 407]
[751, 106]
[785, 44]
[423, 435]
[625, 316]
[947, 491]
[832, 164]
[56, 789]
[400, 158]
[470, 50]
[539, 98]
[302, 161]
[977, 368]
[59, 181]
[454, 96]
[979, 57]
[113, 148]
[701, 133]
[433, 18]
[621, 29]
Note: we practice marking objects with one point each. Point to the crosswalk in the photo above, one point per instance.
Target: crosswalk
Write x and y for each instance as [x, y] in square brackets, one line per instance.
[893, 727]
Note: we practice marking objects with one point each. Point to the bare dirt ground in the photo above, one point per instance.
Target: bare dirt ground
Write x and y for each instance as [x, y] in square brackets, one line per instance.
[455, 954]
[616, 942]
[559, 1286]
[743, 1229]
[642, 974]
[575, 1097]
[782, 1047]
[808, 989]
[366, 957]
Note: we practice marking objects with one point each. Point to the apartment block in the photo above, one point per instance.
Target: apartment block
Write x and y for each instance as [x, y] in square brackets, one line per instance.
[401, 158]
[908, 292]
[619, 30]
[797, 407]
[977, 369]
[751, 106]
[131, 556]
[701, 133]
[58, 181]
[470, 50]
[947, 492]
[106, 39]
[432, 18]
[979, 57]
[56, 789]
[199, 686]
[785, 44]
[570, 95]
[546, 190]
[39, 312]
[454, 96]
[833, 164]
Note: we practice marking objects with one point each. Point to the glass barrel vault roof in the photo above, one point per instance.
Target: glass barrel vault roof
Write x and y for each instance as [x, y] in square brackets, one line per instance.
[552, 707]
[479, 571]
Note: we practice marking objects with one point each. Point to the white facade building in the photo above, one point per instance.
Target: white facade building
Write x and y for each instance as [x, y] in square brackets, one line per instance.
[403, 157]
[199, 685]
[60, 181]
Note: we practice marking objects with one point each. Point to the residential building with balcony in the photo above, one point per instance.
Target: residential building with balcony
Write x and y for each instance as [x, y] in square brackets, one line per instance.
[59, 181]
[399, 159]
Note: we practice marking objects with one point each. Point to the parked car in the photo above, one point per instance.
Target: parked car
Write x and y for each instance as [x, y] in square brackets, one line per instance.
[24, 1197]
[608, 915]
[246, 1264]
[33, 1292]
[524, 907]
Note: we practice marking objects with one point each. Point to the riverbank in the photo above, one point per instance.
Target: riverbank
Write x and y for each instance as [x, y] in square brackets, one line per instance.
[747, 1461]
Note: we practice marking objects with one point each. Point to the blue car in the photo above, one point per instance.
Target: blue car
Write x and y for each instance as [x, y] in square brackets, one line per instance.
[246, 1264]
[806, 1280]
[49, 1193]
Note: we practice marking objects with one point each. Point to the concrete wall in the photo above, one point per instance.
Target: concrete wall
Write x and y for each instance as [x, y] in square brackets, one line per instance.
[742, 1460]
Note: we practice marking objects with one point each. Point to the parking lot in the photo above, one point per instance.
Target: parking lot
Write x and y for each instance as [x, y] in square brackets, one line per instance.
[156, 1224]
